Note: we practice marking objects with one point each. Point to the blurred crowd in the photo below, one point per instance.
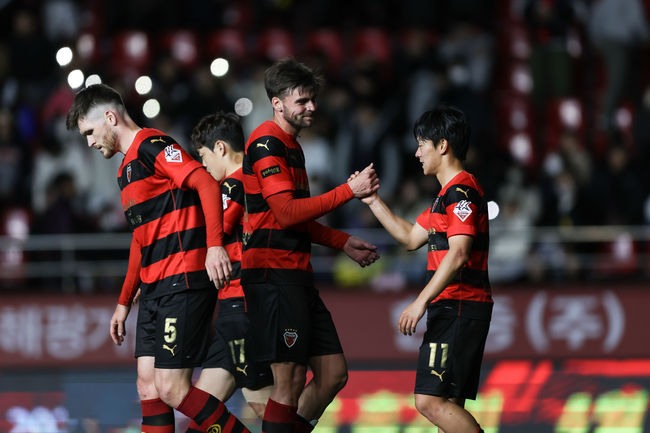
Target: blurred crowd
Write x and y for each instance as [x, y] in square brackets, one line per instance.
[557, 93]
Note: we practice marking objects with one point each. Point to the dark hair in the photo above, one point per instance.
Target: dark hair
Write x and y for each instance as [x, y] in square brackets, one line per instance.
[90, 97]
[445, 122]
[218, 126]
[289, 74]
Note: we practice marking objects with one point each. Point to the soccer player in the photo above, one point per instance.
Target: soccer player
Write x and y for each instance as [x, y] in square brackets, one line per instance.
[171, 204]
[457, 297]
[290, 325]
[219, 141]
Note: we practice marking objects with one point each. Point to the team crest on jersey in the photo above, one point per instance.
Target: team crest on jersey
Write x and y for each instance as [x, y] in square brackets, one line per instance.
[214, 428]
[462, 209]
[173, 155]
[290, 337]
[435, 203]
[225, 199]
[128, 173]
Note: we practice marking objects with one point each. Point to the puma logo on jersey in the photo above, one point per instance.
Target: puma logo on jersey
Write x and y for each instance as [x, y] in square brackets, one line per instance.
[230, 187]
[264, 145]
[162, 140]
[435, 373]
[171, 349]
[242, 370]
[464, 192]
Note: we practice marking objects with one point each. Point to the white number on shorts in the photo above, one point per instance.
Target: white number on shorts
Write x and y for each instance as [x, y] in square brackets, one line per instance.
[432, 354]
[170, 329]
[242, 355]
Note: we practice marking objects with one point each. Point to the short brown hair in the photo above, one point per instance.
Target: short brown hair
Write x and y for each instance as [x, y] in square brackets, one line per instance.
[90, 97]
[289, 74]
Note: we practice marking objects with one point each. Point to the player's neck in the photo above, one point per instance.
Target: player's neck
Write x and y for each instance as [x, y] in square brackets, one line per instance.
[448, 171]
[288, 128]
[127, 134]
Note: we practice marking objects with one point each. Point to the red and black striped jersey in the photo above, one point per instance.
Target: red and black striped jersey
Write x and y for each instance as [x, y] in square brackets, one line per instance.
[232, 194]
[460, 209]
[273, 163]
[167, 221]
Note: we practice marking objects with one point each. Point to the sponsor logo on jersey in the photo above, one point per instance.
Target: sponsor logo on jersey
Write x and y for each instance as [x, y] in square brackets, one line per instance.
[462, 210]
[290, 337]
[265, 145]
[271, 171]
[458, 189]
[172, 154]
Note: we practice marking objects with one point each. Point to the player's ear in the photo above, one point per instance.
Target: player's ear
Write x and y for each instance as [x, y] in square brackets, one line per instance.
[276, 103]
[444, 145]
[111, 117]
[220, 147]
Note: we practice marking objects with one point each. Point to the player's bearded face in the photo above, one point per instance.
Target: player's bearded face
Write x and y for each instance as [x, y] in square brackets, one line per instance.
[298, 108]
[108, 144]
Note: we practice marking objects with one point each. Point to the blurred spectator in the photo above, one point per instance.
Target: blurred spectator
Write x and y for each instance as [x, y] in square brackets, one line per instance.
[14, 163]
[548, 23]
[617, 28]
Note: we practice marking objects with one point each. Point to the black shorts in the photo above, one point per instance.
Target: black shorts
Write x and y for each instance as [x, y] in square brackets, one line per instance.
[289, 323]
[229, 348]
[175, 329]
[449, 364]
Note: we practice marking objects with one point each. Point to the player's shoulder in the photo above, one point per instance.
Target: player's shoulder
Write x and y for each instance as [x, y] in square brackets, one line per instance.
[464, 186]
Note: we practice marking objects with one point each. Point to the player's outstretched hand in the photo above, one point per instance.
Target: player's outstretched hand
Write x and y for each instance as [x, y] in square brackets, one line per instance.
[360, 251]
[118, 330]
[410, 317]
[218, 265]
[365, 182]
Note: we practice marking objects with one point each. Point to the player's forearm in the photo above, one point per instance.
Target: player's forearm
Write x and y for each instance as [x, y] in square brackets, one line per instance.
[327, 236]
[132, 278]
[449, 266]
[210, 196]
[289, 211]
[399, 228]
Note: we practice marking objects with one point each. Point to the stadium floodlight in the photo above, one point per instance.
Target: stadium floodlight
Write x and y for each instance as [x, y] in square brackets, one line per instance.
[64, 56]
[219, 67]
[93, 79]
[143, 85]
[75, 78]
[151, 108]
[243, 107]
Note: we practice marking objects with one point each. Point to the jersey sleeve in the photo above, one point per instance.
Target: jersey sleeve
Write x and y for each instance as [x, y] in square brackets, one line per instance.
[163, 156]
[423, 219]
[268, 158]
[461, 204]
[232, 197]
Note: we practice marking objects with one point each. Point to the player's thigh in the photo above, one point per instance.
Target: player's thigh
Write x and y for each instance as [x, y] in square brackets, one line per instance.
[218, 382]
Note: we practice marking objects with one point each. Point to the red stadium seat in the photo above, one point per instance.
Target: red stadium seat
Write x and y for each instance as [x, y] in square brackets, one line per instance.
[227, 43]
[275, 43]
[88, 48]
[182, 45]
[372, 44]
[563, 114]
[130, 54]
[326, 44]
